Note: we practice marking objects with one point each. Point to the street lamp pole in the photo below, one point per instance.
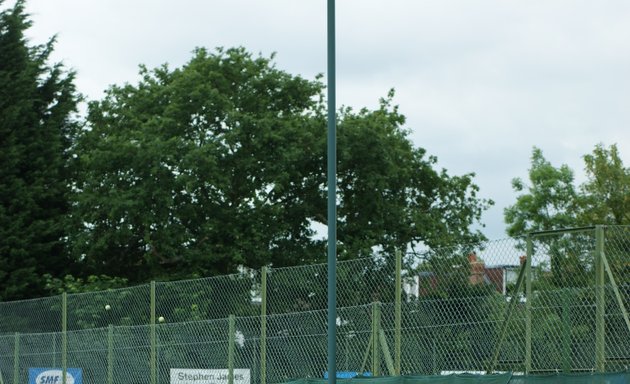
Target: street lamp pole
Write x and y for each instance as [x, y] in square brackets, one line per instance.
[332, 198]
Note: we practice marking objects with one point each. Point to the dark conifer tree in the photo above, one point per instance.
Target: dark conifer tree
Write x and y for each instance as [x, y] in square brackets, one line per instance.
[37, 102]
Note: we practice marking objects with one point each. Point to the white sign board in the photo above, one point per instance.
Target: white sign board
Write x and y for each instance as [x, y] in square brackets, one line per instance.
[208, 376]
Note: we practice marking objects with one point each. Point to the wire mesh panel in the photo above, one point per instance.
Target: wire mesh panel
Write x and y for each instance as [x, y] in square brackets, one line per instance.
[304, 288]
[563, 300]
[192, 345]
[247, 345]
[131, 351]
[7, 357]
[617, 297]
[297, 289]
[354, 333]
[296, 345]
[478, 307]
[366, 280]
[458, 315]
[38, 350]
[209, 298]
[88, 351]
[456, 334]
[125, 306]
[31, 316]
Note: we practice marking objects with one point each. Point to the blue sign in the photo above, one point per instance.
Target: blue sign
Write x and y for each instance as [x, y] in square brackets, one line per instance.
[54, 376]
[348, 374]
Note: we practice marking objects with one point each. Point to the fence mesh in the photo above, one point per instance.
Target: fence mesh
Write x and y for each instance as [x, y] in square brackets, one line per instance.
[547, 302]
[31, 316]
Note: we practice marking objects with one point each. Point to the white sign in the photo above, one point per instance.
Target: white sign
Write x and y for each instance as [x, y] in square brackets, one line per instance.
[208, 376]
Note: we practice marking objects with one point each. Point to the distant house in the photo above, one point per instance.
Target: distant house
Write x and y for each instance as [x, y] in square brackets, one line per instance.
[421, 284]
[500, 276]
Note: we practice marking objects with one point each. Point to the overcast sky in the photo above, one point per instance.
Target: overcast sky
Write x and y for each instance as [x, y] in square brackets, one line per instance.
[481, 82]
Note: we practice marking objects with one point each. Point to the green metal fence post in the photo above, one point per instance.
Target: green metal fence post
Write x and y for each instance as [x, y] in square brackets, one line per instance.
[64, 337]
[16, 359]
[600, 301]
[398, 314]
[54, 349]
[110, 354]
[263, 326]
[231, 342]
[1, 378]
[566, 330]
[376, 326]
[434, 370]
[153, 357]
[528, 304]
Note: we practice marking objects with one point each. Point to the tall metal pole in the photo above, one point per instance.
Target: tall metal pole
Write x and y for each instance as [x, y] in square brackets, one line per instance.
[332, 199]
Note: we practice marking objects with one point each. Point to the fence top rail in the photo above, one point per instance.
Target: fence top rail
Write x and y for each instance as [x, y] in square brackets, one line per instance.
[135, 287]
[272, 269]
[563, 230]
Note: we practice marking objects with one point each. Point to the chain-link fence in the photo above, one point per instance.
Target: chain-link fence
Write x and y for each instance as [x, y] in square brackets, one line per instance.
[550, 301]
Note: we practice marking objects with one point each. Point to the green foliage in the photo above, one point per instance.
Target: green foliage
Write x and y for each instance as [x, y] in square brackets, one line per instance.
[391, 195]
[552, 201]
[36, 104]
[606, 194]
[198, 170]
[92, 283]
[220, 163]
[549, 202]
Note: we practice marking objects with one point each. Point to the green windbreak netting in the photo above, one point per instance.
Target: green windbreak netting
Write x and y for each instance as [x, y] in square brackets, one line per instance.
[574, 378]
[503, 378]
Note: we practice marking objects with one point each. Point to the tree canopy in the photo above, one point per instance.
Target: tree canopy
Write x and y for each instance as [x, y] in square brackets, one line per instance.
[37, 101]
[553, 201]
[210, 168]
[606, 194]
[221, 163]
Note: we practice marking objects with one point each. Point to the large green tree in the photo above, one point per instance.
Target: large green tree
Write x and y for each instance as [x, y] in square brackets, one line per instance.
[37, 101]
[552, 200]
[220, 163]
[548, 202]
[198, 170]
[606, 193]
[391, 193]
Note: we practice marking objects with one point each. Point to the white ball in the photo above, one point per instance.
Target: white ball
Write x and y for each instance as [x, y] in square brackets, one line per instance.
[107, 307]
[161, 319]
